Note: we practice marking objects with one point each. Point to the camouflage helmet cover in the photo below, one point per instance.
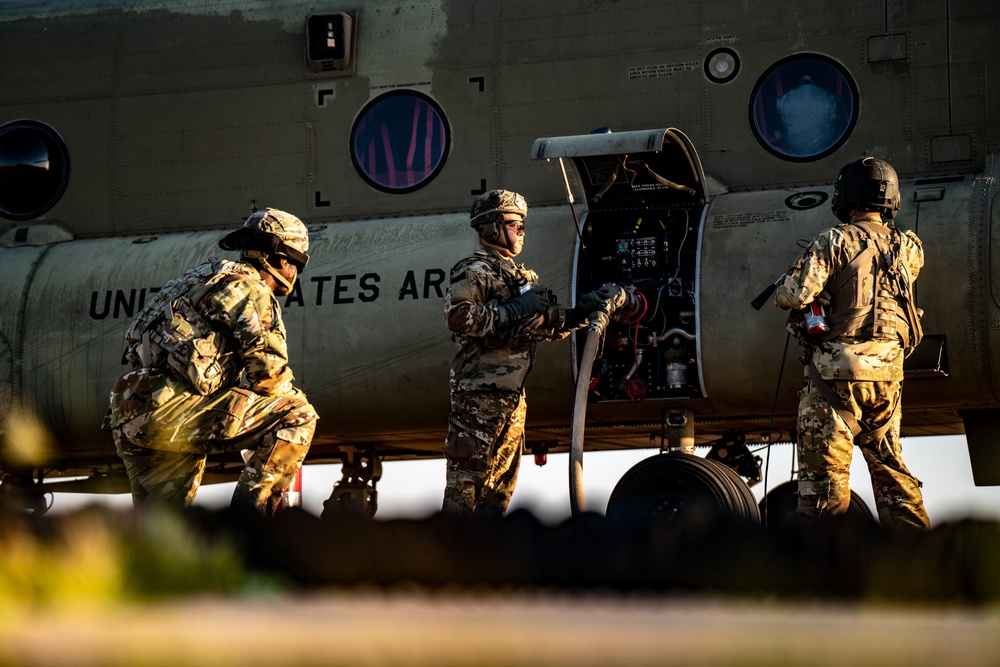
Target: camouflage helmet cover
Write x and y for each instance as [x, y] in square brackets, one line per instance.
[273, 232]
[490, 203]
[285, 226]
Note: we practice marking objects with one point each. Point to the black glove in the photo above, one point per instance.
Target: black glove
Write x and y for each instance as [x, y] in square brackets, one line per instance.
[578, 315]
[608, 297]
[533, 302]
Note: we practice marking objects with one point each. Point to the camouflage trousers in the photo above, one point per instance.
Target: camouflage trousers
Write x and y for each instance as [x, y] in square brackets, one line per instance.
[483, 451]
[165, 450]
[826, 445]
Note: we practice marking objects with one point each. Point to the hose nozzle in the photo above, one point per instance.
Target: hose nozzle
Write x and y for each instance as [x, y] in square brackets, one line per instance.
[632, 306]
[599, 320]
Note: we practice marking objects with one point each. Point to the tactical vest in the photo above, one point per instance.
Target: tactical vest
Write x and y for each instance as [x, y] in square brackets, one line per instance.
[170, 333]
[514, 275]
[517, 279]
[872, 298]
[497, 361]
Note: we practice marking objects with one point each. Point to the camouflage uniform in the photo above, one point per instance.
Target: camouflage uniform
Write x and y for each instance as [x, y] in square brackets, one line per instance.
[486, 425]
[164, 429]
[864, 370]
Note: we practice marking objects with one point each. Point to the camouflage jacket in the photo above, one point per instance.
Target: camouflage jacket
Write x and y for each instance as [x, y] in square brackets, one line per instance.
[844, 358]
[244, 310]
[479, 284]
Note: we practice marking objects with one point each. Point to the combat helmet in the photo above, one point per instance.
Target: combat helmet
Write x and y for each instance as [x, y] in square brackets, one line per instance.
[272, 233]
[267, 234]
[486, 215]
[868, 184]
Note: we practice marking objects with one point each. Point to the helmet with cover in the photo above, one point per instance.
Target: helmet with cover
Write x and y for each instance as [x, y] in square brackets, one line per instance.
[271, 233]
[486, 215]
[868, 184]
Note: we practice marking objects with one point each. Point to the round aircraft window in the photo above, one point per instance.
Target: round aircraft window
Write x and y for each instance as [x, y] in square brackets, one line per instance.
[804, 107]
[34, 169]
[400, 141]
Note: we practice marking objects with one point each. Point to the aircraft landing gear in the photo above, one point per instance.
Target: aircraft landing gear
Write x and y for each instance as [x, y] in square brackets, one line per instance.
[779, 506]
[355, 492]
[677, 484]
[732, 452]
[20, 492]
[672, 486]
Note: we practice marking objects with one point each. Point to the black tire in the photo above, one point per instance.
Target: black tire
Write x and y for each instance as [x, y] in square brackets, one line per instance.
[780, 506]
[751, 509]
[675, 486]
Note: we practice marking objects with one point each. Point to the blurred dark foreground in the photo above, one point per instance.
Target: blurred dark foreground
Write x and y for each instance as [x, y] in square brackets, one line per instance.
[98, 553]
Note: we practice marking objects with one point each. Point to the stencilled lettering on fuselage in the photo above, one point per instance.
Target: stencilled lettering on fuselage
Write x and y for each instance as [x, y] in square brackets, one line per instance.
[309, 291]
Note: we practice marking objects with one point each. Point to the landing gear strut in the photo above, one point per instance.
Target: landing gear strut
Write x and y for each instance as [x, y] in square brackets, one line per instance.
[21, 492]
[732, 451]
[355, 492]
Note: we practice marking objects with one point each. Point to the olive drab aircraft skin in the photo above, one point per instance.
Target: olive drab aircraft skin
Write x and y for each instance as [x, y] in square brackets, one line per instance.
[698, 141]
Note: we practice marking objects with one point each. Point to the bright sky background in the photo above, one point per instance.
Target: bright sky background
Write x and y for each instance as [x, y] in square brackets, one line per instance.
[413, 489]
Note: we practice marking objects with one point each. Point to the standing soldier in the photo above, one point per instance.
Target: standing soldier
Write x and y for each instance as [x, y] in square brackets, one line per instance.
[210, 374]
[862, 271]
[497, 313]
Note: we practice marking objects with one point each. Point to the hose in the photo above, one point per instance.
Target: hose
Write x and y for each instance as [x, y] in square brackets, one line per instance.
[598, 321]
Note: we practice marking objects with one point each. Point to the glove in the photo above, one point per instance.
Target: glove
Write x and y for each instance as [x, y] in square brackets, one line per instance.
[608, 297]
[578, 315]
[533, 302]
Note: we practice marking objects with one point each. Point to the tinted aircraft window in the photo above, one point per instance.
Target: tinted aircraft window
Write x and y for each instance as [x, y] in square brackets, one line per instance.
[400, 141]
[34, 169]
[804, 107]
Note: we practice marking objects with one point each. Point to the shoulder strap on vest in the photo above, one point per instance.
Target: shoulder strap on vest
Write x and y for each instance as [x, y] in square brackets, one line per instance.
[852, 318]
[851, 269]
[217, 282]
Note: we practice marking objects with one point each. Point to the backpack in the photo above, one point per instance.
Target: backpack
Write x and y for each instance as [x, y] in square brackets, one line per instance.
[170, 333]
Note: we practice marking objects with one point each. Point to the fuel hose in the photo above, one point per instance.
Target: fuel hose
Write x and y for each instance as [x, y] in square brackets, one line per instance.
[598, 321]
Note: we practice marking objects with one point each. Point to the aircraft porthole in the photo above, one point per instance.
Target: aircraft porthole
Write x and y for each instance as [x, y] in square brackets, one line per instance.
[722, 65]
[804, 107]
[34, 169]
[802, 201]
[400, 141]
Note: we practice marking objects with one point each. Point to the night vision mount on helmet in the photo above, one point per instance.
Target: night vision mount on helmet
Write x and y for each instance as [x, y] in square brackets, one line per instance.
[271, 233]
[868, 184]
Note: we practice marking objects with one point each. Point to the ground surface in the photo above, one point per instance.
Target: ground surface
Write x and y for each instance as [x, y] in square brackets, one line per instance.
[495, 628]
